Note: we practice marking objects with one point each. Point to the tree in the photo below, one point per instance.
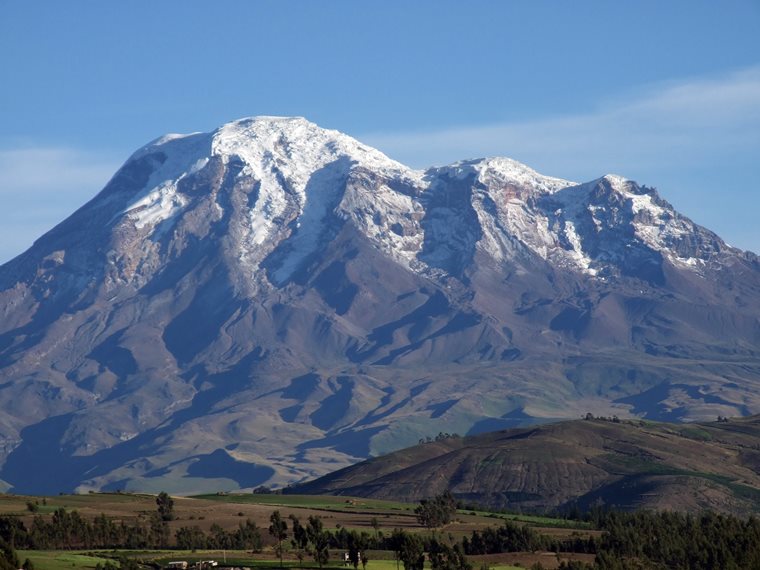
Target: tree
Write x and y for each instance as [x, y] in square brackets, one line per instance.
[300, 540]
[159, 531]
[375, 525]
[436, 512]
[13, 531]
[222, 539]
[319, 540]
[8, 558]
[249, 536]
[445, 557]
[357, 546]
[412, 552]
[396, 543]
[165, 506]
[279, 530]
[190, 538]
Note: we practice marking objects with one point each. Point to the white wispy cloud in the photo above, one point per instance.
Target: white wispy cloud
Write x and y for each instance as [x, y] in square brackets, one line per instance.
[34, 169]
[677, 121]
[39, 187]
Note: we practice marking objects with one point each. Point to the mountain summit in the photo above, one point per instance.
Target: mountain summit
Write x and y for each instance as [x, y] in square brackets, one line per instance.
[273, 300]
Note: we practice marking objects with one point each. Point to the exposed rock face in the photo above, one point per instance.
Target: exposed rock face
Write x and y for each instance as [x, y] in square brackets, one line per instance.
[273, 300]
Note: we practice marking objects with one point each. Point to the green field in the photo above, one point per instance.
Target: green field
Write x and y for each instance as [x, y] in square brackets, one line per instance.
[58, 560]
[533, 520]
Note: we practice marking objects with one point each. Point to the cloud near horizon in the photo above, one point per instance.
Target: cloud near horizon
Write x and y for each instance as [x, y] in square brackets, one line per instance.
[42, 186]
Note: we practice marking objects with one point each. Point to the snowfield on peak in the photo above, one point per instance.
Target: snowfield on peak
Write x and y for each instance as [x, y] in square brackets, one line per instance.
[296, 146]
[307, 179]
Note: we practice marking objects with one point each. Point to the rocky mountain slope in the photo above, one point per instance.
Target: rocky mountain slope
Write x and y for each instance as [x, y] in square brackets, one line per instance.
[271, 301]
[581, 463]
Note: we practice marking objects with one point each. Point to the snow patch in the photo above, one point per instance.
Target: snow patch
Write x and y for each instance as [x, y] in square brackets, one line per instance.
[500, 171]
[582, 260]
[199, 165]
[160, 204]
[159, 199]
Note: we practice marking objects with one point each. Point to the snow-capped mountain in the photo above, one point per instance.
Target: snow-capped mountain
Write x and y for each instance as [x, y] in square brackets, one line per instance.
[273, 300]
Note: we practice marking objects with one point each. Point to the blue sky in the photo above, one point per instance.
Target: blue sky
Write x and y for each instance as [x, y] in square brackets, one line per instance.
[667, 93]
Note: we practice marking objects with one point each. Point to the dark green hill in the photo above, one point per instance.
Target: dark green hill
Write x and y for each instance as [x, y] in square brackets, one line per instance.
[626, 464]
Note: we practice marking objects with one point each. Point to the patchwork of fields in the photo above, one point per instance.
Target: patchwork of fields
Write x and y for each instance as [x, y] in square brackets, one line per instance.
[229, 510]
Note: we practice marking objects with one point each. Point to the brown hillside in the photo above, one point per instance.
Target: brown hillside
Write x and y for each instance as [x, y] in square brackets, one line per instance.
[625, 464]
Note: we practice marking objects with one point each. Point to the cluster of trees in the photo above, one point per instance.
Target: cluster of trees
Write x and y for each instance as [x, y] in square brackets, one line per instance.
[590, 416]
[436, 512]
[409, 549]
[444, 556]
[511, 537]
[246, 537]
[679, 541]
[642, 539]
[68, 530]
[313, 540]
[442, 435]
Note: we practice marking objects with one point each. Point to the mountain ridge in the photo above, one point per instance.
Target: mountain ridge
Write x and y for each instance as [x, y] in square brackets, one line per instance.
[269, 301]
